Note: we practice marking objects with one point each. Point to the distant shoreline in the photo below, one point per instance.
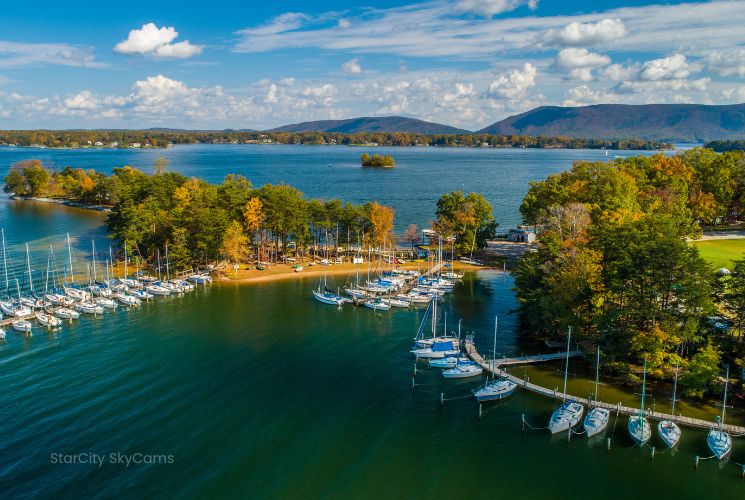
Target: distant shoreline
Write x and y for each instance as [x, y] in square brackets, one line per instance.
[66, 203]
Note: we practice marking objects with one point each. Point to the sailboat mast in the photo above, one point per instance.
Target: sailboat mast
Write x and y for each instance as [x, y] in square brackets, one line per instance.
[28, 268]
[597, 374]
[675, 386]
[494, 346]
[93, 245]
[566, 366]
[125, 258]
[5, 264]
[46, 281]
[724, 400]
[159, 264]
[644, 390]
[434, 317]
[69, 259]
[168, 274]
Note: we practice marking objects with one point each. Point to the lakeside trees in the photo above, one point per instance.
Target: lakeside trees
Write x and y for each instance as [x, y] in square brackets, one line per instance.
[613, 261]
[164, 138]
[468, 218]
[202, 222]
[377, 160]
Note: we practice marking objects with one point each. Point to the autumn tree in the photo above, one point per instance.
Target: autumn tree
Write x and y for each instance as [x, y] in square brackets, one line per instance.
[235, 243]
[253, 218]
[381, 220]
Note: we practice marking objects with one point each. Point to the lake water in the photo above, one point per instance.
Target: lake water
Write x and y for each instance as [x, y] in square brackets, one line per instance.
[259, 391]
[421, 176]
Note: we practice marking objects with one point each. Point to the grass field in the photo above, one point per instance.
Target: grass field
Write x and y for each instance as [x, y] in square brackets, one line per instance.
[721, 253]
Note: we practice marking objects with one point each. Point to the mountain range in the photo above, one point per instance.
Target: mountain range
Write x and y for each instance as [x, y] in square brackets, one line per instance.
[372, 124]
[658, 122]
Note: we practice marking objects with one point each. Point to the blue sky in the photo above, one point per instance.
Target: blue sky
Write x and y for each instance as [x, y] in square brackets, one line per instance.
[467, 63]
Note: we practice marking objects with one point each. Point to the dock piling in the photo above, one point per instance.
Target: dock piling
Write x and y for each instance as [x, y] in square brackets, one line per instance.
[442, 399]
[696, 463]
[608, 444]
[479, 410]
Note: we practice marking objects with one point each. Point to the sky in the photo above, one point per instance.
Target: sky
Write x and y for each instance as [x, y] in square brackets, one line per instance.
[257, 65]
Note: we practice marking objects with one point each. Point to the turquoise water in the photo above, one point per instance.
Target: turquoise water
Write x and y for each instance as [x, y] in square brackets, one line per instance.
[259, 391]
[421, 176]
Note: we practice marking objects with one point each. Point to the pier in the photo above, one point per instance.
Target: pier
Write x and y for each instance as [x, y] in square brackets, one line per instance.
[495, 367]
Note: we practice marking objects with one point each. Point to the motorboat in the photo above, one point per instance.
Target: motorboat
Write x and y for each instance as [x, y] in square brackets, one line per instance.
[154, 289]
[106, 303]
[141, 294]
[58, 299]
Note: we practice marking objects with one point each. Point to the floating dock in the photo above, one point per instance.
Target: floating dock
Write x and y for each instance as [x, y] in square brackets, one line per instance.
[495, 367]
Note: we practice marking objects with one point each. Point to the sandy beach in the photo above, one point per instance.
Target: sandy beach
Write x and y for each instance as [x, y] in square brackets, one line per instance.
[285, 271]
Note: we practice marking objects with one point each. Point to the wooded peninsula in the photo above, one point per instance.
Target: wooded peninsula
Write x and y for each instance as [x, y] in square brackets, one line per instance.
[165, 138]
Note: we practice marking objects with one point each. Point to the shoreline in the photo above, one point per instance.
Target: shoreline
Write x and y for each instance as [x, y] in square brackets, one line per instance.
[283, 272]
[65, 203]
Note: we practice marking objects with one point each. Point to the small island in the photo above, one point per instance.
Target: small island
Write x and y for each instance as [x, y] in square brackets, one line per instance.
[377, 161]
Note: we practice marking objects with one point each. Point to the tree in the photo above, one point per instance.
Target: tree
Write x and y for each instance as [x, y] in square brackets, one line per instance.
[381, 220]
[160, 165]
[468, 218]
[235, 243]
[253, 217]
[702, 371]
[412, 235]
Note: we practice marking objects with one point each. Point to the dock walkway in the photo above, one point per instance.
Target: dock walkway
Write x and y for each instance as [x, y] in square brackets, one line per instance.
[494, 366]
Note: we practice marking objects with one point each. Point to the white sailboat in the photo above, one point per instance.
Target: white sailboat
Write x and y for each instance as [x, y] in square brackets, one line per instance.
[325, 296]
[639, 428]
[497, 388]
[597, 418]
[66, 313]
[48, 320]
[569, 413]
[2, 334]
[377, 304]
[22, 326]
[668, 430]
[719, 440]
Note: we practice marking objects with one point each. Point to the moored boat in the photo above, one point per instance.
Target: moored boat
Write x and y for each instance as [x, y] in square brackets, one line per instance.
[719, 440]
[66, 313]
[639, 428]
[463, 370]
[668, 430]
[570, 412]
[597, 418]
[22, 326]
[48, 320]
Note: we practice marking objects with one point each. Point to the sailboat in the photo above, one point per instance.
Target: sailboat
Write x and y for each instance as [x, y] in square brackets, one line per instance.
[667, 429]
[639, 428]
[48, 320]
[497, 388]
[569, 413]
[326, 296]
[463, 367]
[437, 347]
[597, 418]
[719, 440]
[22, 326]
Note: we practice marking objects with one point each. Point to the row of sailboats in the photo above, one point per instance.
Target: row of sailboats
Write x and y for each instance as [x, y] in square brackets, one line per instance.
[64, 299]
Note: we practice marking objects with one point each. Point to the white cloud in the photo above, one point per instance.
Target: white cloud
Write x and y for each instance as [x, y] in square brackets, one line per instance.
[578, 34]
[83, 100]
[489, 8]
[734, 94]
[515, 83]
[584, 95]
[344, 23]
[287, 82]
[352, 67]
[16, 54]
[620, 72]
[580, 58]
[677, 84]
[727, 63]
[667, 68]
[151, 40]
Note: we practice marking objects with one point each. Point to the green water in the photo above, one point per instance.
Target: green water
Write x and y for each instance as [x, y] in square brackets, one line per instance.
[262, 392]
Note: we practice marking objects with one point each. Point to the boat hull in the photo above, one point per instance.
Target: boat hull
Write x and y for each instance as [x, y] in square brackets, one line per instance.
[565, 417]
[495, 390]
[596, 421]
[639, 430]
[720, 443]
[669, 432]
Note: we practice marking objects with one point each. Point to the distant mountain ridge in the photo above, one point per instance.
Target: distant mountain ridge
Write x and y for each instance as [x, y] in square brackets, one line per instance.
[372, 124]
[657, 122]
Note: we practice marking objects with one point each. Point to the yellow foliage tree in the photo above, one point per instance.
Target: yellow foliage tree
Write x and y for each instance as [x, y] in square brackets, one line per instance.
[235, 244]
[381, 219]
[253, 216]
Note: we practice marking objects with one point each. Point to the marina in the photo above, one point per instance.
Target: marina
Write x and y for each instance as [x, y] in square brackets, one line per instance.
[495, 367]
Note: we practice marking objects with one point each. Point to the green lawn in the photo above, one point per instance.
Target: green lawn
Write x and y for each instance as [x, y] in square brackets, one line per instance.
[721, 253]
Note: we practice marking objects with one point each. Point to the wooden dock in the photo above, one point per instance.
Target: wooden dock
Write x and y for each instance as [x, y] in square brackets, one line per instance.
[494, 366]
